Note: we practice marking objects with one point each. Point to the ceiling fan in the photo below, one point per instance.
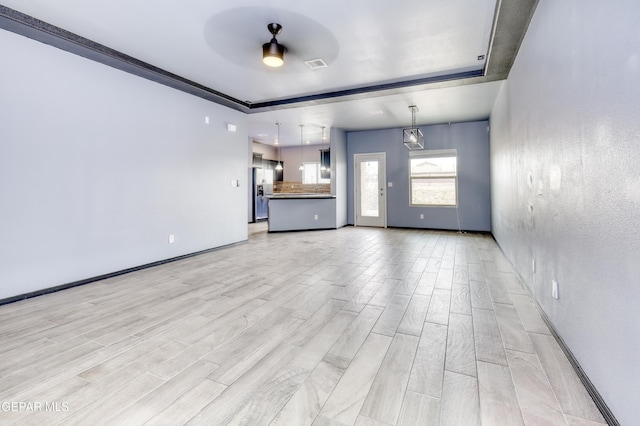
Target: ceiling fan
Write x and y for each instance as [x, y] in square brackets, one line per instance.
[273, 52]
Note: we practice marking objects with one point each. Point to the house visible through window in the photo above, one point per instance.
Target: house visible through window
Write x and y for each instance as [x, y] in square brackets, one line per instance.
[311, 174]
[434, 178]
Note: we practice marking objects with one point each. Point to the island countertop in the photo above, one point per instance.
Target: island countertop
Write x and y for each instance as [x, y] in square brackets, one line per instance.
[297, 196]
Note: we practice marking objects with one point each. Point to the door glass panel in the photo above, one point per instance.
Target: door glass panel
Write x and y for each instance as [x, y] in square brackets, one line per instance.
[369, 201]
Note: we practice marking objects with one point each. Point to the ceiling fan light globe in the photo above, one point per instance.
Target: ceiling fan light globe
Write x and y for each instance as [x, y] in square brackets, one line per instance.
[273, 54]
[272, 61]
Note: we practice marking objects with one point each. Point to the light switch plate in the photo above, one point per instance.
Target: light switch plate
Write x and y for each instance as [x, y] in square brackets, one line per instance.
[554, 289]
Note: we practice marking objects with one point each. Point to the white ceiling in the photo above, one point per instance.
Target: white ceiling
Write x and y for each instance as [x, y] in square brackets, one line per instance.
[218, 44]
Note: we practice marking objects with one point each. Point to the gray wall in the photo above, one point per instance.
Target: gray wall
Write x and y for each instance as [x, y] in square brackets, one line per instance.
[472, 142]
[565, 133]
[292, 156]
[299, 214]
[98, 167]
[339, 171]
[268, 152]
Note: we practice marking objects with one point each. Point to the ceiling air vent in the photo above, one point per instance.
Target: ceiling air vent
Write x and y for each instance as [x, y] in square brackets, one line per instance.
[314, 64]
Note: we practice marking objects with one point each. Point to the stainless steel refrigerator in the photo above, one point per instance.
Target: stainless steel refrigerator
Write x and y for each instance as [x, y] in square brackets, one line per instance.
[262, 186]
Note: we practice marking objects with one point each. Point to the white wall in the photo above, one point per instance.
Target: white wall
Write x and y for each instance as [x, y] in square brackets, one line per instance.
[565, 155]
[98, 167]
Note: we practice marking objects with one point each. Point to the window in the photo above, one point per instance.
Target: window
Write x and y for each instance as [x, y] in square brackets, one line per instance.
[311, 174]
[433, 178]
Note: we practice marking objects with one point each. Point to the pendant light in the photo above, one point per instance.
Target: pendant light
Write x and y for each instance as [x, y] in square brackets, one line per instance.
[323, 167]
[279, 165]
[412, 137]
[301, 168]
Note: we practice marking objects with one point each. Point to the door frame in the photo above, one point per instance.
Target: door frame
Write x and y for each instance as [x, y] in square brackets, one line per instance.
[382, 156]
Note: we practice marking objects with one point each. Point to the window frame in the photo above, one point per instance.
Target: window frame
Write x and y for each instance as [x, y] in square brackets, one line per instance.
[433, 153]
[319, 179]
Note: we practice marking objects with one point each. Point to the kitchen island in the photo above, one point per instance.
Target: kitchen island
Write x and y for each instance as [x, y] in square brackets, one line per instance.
[300, 212]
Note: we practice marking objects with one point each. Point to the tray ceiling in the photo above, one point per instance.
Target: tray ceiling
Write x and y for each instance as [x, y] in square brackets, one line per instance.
[381, 55]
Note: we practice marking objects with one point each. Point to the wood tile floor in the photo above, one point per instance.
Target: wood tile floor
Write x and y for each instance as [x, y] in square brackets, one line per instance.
[356, 326]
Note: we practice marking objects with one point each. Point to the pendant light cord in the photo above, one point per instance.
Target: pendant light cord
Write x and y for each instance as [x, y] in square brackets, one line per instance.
[301, 151]
[279, 166]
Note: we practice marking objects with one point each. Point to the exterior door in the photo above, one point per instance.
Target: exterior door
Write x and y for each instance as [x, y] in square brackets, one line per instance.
[370, 192]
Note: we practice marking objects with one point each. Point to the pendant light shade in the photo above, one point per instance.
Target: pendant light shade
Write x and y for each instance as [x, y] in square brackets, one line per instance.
[273, 52]
[412, 137]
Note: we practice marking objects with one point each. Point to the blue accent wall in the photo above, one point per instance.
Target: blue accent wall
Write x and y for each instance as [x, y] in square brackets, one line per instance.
[471, 140]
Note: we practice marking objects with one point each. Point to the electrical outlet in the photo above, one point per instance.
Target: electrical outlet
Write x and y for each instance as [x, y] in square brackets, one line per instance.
[172, 238]
[421, 215]
[315, 217]
[554, 289]
[533, 265]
